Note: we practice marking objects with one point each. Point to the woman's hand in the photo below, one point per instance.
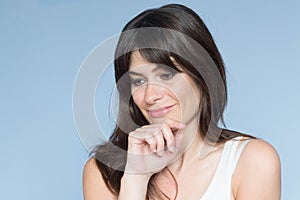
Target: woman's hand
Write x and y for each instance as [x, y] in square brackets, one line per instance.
[153, 147]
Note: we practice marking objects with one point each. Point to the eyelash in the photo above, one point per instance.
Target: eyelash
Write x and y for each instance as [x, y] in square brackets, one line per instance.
[134, 82]
[165, 76]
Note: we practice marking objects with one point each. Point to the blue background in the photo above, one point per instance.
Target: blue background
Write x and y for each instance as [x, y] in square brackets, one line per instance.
[43, 43]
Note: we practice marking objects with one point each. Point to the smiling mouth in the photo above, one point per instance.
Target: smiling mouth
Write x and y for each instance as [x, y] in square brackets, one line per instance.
[160, 112]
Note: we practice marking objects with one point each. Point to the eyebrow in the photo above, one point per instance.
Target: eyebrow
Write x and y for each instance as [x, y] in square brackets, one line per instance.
[157, 68]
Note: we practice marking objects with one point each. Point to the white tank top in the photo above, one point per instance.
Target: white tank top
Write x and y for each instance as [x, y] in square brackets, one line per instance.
[220, 186]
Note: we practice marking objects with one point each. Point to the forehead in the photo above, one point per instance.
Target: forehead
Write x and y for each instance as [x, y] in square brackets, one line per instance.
[139, 64]
[137, 60]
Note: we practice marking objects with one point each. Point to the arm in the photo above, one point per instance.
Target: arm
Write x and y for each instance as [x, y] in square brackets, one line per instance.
[142, 162]
[133, 187]
[257, 175]
[94, 187]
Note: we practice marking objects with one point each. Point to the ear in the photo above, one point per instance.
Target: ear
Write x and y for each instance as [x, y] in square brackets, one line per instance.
[173, 59]
[177, 65]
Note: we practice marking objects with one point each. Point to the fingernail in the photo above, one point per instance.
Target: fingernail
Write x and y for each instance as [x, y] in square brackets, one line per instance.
[161, 153]
[171, 148]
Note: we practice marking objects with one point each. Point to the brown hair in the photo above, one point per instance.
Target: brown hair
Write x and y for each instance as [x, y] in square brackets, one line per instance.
[111, 162]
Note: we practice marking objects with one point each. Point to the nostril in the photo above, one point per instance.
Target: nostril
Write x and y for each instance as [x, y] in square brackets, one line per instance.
[153, 93]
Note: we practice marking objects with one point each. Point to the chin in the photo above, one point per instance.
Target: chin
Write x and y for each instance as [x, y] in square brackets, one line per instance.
[160, 120]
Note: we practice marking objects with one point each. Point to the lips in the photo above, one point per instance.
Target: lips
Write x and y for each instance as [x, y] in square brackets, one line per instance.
[160, 112]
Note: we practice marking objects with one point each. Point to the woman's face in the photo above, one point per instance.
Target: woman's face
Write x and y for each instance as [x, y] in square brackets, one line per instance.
[161, 92]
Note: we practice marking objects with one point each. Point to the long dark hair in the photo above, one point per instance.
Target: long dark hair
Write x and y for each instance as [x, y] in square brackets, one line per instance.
[110, 160]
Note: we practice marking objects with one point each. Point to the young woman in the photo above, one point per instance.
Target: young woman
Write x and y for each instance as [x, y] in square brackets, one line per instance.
[168, 143]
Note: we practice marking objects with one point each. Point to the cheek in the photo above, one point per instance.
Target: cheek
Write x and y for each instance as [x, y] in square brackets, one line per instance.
[137, 96]
[186, 92]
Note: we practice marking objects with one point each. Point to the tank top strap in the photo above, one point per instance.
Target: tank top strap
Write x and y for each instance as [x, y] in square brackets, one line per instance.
[235, 153]
[220, 187]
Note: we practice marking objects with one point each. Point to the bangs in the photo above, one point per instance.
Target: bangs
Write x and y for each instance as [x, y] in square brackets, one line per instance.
[153, 44]
[158, 56]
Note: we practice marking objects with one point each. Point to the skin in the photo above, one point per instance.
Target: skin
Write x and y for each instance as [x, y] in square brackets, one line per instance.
[173, 140]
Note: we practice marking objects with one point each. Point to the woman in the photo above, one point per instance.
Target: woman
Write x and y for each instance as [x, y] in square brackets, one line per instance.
[167, 143]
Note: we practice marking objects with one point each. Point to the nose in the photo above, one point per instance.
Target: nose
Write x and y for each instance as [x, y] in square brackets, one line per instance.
[153, 93]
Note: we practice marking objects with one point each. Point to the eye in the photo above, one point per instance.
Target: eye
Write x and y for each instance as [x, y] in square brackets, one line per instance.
[167, 75]
[137, 82]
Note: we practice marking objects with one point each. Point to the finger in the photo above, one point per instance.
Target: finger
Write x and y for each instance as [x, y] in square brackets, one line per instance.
[142, 137]
[163, 136]
[169, 137]
[160, 143]
[173, 124]
[154, 137]
[151, 141]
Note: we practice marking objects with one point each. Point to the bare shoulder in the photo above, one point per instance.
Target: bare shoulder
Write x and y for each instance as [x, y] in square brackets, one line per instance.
[257, 175]
[260, 153]
[93, 184]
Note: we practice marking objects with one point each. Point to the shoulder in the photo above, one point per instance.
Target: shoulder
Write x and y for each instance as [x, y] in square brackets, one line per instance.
[90, 164]
[93, 184]
[91, 170]
[257, 174]
[260, 152]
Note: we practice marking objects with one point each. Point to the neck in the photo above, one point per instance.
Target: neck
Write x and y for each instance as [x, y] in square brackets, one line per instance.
[191, 147]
